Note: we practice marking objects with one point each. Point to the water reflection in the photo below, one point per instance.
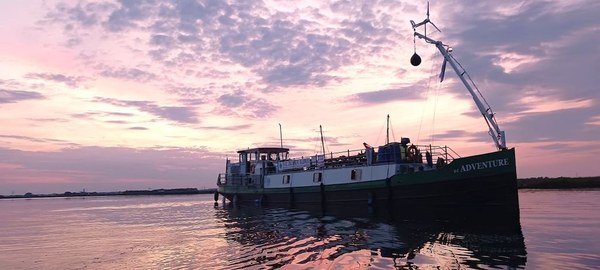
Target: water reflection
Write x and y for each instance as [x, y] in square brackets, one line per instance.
[186, 232]
[360, 237]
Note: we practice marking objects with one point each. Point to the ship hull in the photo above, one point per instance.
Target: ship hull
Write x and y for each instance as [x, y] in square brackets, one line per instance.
[482, 180]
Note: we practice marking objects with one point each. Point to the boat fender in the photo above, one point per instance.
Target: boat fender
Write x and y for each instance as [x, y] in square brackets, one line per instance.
[252, 168]
[322, 189]
[216, 196]
[388, 183]
[370, 198]
[291, 196]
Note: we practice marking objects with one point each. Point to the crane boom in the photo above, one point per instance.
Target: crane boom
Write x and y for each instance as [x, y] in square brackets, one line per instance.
[495, 132]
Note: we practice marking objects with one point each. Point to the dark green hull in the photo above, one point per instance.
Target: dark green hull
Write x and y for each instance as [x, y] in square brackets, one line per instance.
[482, 180]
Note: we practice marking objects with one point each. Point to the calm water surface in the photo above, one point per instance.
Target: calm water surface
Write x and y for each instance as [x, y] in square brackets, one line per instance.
[556, 230]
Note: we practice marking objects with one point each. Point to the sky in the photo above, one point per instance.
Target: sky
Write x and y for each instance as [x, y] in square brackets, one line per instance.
[147, 94]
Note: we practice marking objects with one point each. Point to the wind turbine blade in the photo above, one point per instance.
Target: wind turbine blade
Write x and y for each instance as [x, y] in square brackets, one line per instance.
[427, 9]
[435, 26]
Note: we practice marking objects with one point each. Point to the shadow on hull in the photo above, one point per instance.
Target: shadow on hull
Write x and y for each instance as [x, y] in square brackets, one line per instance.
[489, 195]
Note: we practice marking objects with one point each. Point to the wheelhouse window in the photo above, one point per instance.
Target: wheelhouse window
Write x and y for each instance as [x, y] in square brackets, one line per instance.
[286, 179]
[317, 177]
[356, 174]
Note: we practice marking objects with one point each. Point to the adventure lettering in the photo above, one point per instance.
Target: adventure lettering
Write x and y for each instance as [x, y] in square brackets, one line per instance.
[482, 165]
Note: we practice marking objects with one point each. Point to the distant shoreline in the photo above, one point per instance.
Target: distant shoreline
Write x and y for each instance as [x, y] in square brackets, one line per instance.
[559, 183]
[525, 183]
[175, 191]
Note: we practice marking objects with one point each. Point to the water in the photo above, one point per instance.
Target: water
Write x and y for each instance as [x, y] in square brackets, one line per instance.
[557, 230]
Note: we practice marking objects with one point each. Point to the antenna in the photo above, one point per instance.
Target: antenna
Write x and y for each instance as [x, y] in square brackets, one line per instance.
[280, 136]
[387, 133]
[322, 141]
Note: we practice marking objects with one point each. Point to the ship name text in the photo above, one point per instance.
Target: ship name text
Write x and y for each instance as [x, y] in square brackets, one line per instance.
[482, 165]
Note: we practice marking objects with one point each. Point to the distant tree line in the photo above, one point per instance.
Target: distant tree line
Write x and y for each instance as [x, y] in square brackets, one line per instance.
[559, 183]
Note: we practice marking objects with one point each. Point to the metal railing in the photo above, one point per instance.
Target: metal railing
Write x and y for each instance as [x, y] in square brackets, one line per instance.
[445, 152]
[248, 180]
[348, 158]
[358, 157]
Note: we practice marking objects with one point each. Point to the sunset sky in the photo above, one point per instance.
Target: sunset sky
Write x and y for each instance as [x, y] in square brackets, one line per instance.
[116, 95]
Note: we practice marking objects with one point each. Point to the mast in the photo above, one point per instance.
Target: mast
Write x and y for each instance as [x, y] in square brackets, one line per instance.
[387, 131]
[322, 141]
[497, 135]
[280, 136]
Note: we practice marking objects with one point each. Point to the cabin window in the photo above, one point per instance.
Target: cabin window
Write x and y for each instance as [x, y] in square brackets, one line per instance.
[286, 179]
[355, 174]
[317, 177]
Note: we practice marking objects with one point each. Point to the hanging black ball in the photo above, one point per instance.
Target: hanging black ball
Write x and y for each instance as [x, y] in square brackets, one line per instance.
[415, 60]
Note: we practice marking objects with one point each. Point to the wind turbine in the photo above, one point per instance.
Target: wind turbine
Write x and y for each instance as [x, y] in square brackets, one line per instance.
[415, 60]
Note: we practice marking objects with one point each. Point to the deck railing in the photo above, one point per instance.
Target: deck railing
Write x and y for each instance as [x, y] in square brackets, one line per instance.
[239, 180]
[358, 157]
[443, 154]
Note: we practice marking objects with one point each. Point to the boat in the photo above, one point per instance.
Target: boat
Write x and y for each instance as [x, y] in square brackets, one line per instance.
[399, 173]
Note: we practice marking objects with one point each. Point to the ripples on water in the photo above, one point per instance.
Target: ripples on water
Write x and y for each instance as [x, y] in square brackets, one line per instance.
[562, 228]
[301, 239]
[188, 232]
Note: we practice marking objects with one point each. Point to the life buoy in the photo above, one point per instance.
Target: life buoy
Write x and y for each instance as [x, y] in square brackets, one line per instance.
[412, 152]
[252, 168]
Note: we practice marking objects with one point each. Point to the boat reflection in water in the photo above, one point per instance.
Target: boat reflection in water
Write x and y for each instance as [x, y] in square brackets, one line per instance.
[359, 237]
